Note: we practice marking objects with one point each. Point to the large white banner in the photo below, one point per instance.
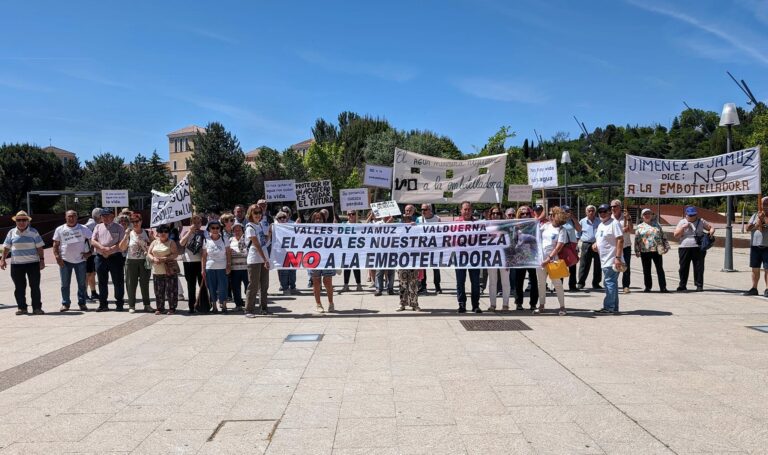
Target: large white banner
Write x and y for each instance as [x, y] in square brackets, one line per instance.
[474, 245]
[280, 190]
[427, 179]
[174, 206]
[723, 175]
[310, 195]
[542, 174]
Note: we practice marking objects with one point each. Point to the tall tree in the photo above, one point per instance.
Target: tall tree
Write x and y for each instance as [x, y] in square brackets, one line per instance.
[149, 174]
[24, 168]
[73, 172]
[325, 132]
[105, 172]
[293, 164]
[219, 176]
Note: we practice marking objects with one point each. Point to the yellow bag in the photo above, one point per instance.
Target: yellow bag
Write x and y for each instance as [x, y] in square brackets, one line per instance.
[557, 269]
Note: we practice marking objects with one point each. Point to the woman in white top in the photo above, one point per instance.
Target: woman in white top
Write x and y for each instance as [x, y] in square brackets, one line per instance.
[496, 275]
[258, 262]
[135, 245]
[216, 257]
[238, 276]
[553, 238]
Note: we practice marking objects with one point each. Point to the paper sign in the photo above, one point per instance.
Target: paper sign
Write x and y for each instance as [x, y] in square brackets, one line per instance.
[280, 190]
[174, 206]
[114, 198]
[378, 176]
[520, 193]
[722, 175]
[310, 195]
[542, 174]
[354, 199]
[385, 209]
[427, 179]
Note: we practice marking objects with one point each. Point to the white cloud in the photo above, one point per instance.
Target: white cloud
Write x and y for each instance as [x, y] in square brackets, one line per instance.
[728, 36]
[508, 91]
[382, 70]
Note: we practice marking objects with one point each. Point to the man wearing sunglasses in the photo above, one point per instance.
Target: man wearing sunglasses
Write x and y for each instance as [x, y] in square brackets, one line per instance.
[609, 244]
[26, 248]
[428, 216]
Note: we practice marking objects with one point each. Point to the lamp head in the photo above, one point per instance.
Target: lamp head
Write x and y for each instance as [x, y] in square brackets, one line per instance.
[729, 116]
[566, 157]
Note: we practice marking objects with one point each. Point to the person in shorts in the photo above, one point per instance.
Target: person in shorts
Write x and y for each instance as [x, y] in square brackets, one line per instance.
[758, 250]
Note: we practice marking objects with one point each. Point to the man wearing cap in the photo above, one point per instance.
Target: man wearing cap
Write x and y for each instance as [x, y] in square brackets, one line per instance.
[589, 258]
[609, 244]
[689, 232]
[428, 216]
[71, 250]
[758, 250]
[474, 274]
[25, 246]
[90, 263]
[622, 216]
[109, 259]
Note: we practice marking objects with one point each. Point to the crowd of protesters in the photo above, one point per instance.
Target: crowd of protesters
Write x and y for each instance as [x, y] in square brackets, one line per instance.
[225, 259]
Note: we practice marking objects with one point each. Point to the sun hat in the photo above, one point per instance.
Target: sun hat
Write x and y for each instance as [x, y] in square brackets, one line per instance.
[21, 214]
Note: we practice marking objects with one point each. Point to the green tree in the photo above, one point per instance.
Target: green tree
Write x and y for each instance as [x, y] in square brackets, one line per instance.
[293, 164]
[24, 168]
[105, 172]
[149, 174]
[219, 176]
[325, 132]
[73, 172]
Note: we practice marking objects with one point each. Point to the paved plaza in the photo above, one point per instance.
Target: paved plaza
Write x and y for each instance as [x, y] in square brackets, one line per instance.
[675, 373]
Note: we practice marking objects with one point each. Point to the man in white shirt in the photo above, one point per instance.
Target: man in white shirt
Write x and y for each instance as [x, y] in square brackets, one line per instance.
[428, 216]
[609, 244]
[72, 250]
[625, 221]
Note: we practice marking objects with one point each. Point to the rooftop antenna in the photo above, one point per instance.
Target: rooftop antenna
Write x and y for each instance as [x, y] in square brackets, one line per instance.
[583, 129]
[698, 119]
[744, 88]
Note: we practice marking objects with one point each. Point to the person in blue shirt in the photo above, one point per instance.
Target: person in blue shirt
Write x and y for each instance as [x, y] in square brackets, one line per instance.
[26, 249]
[589, 258]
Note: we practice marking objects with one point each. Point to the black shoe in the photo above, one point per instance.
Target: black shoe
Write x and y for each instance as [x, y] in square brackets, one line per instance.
[477, 310]
[753, 291]
[422, 291]
[579, 286]
[101, 308]
[63, 309]
[462, 309]
[120, 308]
[682, 289]
[664, 291]
[390, 292]
[597, 288]
[38, 311]
[438, 289]
[265, 312]
[377, 293]
[519, 307]
[646, 290]
[21, 312]
[699, 288]
[765, 293]
[94, 295]
[83, 307]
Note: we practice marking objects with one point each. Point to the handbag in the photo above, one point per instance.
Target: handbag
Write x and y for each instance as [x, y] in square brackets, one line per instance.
[172, 268]
[203, 301]
[663, 246]
[707, 241]
[569, 253]
[557, 269]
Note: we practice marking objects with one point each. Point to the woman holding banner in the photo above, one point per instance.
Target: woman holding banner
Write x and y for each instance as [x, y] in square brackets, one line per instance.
[351, 218]
[326, 274]
[525, 212]
[496, 275]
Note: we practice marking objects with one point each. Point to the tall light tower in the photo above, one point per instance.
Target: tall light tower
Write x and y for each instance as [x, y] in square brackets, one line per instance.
[728, 119]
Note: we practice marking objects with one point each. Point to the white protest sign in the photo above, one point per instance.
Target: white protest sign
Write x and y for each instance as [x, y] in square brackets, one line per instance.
[280, 190]
[427, 179]
[310, 195]
[722, 175]
[379, 176]
[354, 199]
[176, 206]
[384, 209]
[520, 193]
[542, 174]
[114, 198]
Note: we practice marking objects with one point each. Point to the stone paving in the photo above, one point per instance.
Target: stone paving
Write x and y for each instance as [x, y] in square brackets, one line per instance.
[676, 373]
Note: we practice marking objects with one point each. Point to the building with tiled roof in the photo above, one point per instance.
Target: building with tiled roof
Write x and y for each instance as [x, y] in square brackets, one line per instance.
[252, 156]
[302, 147]
[181, 146]
[63, 155]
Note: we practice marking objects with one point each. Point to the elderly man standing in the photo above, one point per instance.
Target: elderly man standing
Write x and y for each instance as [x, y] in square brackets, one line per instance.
[26, 248]
[588, 257]
[428, 216]
[109, 259]
[474, 274]
[71, 250]
[90, 264]
[609, 244]
[622, 216]
[758, 250]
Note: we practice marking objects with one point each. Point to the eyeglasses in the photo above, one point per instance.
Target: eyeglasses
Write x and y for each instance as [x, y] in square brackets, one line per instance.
[281, 217]
[214, 228]
[23, 220]
[351, 214]
[602, 211]
[162, 232]
[426, 209]
[615, 206]
[496, 213]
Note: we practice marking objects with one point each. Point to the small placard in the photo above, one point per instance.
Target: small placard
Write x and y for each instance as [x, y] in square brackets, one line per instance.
[378, 176]
[385, 209]
[280, 190]
[114, 198]
[523, 193]
[354, 199]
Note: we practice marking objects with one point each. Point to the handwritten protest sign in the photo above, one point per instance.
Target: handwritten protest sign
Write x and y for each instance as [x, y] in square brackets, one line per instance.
[475, 245]
[114, 198]
[542, 174]
[520, 193]
[384, 209]
[427, 179]
[173, 206]
[280, 190]
[722, 175]
[354, 199]
[310, 195]
[379, 176]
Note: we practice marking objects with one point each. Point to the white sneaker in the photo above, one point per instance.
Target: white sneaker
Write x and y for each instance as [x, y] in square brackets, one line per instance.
[250, 315]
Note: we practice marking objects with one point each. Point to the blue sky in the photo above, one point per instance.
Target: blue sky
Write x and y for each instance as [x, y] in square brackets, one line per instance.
[97, 76]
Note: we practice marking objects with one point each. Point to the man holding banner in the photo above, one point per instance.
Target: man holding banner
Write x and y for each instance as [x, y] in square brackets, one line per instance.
[474, 274]
[428, 216]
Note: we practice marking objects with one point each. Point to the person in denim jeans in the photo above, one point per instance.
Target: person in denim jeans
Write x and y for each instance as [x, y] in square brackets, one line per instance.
[71, 250]
[216, 258]
[609, 244]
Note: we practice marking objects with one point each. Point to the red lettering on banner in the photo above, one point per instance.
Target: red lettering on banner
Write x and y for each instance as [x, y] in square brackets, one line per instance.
[308, 260]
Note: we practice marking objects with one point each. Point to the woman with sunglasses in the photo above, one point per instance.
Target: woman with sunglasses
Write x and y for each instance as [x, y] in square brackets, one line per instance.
[525, 212]
[162, 253]
[258, 262]
[498, 275]
[135, 245]
[553, 238]
[325, 274]
[351, 218]
[216, 258]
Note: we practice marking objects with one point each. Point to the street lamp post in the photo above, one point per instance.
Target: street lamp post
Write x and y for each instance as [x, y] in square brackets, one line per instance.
[728, 119]
[565, 159]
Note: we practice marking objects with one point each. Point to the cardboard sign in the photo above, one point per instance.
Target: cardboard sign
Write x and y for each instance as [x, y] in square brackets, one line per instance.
[174, 206]
[354, 199]
[722, 175]
[280, 190]
[114, 198]
[522, 193]
[427, 179]
[378, 176]
[310, 195]
[385, 209]
[542, 174]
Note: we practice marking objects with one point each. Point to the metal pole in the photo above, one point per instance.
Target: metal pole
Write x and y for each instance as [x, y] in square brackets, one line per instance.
[728, 260]
[566, 184]
[29, 207]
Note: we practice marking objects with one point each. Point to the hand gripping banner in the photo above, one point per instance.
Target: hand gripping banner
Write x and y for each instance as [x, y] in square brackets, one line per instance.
[463, 245]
